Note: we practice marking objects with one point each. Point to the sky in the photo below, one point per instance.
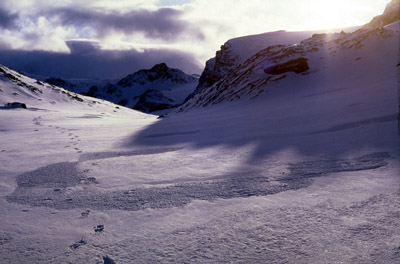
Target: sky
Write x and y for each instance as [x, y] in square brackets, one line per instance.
[111, 38]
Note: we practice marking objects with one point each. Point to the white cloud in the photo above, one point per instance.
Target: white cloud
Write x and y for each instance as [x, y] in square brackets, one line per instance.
[218, 21]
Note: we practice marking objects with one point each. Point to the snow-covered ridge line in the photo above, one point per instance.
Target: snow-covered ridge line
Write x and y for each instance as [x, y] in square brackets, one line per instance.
[390, 15]
[20, 91]
[254, 77]
[32, 87]
[159, 73]
[236, 51]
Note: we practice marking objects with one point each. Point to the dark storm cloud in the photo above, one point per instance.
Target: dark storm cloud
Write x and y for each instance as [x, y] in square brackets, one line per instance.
[86, 60]
[7, 20]
[83, 47]
[164, 23]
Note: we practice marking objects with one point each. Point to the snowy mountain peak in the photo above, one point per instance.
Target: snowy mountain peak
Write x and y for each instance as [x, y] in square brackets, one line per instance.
[157, 88]
[160, 73]
[161, 67]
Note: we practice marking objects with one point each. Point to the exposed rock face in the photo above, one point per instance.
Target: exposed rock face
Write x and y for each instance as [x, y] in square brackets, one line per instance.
[298, 65]
[216, 68]
[16, 105]
[390, 15]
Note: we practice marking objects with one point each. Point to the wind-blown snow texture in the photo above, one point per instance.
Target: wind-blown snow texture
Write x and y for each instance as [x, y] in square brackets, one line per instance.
[306, 171]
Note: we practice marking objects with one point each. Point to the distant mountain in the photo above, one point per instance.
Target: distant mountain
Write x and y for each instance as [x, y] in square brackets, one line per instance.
[160, 75]
[81, 86]
[146, 90]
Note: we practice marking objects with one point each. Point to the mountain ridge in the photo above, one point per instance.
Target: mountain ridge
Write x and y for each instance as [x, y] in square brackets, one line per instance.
[170, 84]
[226, 71]
[390, 15]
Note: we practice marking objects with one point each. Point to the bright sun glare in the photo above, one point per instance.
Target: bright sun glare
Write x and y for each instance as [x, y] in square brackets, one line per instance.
[335, 14]
[329, 14]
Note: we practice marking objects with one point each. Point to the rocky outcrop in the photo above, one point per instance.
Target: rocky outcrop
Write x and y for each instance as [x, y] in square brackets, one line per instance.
[390, 15]
[216, 68]
[16, 105]
[298, 66]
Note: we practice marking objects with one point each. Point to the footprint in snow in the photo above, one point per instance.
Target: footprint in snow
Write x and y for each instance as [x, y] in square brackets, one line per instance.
[98, 228]
[85, 213]
[108, 260]
[78, 244]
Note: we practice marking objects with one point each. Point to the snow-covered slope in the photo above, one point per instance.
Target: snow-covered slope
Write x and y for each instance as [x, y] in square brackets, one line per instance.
[307, 171]
[236, 51]
[15, 87]
[19, 92]
[325, 62]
